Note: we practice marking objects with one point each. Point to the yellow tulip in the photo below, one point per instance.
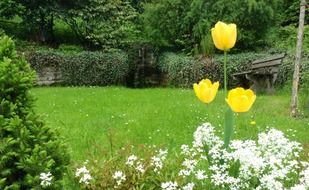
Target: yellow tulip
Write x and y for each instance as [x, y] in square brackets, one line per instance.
[205, 90]
[240, 100]
[224, 35]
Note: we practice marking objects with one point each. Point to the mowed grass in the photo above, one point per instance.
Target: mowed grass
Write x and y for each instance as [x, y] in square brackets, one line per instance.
[90, 117]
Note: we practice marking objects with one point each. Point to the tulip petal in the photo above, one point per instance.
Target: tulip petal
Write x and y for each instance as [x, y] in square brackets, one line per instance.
[232, 35]
[240, 100]
[224, 36]
[216, 39]
[196, 90]
[205, 90]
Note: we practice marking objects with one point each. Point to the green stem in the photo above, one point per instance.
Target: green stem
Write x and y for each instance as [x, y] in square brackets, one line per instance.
[225, 73]
[229, 115]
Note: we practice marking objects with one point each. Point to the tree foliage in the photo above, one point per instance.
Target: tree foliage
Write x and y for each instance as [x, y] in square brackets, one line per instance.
[37, 16]
[103, 23]
[185, 22]
[290, 13]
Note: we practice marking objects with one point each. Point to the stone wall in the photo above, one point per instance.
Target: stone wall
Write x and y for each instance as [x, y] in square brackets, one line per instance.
[49, 75]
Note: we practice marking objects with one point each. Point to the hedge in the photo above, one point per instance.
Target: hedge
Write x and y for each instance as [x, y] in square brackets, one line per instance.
[182, 70]
[84, 68]
[101, 69]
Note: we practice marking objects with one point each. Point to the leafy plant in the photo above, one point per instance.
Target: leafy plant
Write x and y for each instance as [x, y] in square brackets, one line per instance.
[183, 23]
[101, 23]
[28, 148]
[84, 68]
[183, 71]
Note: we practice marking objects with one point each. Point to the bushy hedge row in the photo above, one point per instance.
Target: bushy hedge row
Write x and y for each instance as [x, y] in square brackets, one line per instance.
[183, 71]
[84, 68]
[97, 68]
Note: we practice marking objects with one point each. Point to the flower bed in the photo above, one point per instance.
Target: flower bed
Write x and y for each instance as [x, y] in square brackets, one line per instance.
[272, 162]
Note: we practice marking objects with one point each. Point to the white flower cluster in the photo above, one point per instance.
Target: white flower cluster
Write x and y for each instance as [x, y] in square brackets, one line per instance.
[46, 179]
[169, 185]
[133, 161]
[304, 178]
[189, 186]
[120, 177]
[158, 160]
[270, 161]
[83, 174]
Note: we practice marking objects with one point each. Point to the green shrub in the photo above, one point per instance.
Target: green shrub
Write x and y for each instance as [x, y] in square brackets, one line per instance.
[287, 38]
[286, 71]
[95, 68]
[237, 63]
[85, 68]
[70, 48]
[27, 147]
[183, 71]
[2, 33]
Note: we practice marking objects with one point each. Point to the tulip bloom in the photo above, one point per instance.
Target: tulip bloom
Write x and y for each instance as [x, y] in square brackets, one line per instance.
[224, 35]
[205, 90]
[240, 100]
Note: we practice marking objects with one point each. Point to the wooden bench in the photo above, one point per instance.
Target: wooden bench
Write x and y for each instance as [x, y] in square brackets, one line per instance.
[261, 75]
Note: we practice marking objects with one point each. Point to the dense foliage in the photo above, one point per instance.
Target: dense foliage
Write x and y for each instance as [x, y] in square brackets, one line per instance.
[183, 71]
[102, 23]
[37, 16]
[28, 147]
[184, 22]
[84, 68]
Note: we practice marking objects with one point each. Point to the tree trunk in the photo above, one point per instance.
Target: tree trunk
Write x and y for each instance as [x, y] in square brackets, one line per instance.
[51, 29]
[294, 101]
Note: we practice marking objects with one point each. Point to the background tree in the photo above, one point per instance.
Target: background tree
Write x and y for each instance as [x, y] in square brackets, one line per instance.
[296, 74]
[100, 23]
[184, 22]
[37, 16]
[290, 13]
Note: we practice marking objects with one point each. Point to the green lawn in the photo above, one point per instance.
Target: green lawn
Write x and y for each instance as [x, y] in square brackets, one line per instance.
[87, 117]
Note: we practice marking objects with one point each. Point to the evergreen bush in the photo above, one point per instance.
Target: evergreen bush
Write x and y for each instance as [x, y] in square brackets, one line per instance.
[27, 147]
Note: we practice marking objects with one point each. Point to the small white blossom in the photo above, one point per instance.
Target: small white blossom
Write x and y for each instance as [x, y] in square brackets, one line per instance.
[46, 179]
[185, 150]
[169, 185]
[299, 187]
[189, 186]
[120, 177]
[131, 159]
[184, 173]
[83, 174]
[157, 161]
[200, 175]
[140, 167]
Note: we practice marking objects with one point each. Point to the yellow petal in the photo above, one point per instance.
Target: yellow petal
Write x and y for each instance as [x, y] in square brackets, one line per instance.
[216, 39]
[224, 36]
[240, 100]
[215, 86]
[207, 95]
[196, 90]
[205, 90]
[232, 35]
